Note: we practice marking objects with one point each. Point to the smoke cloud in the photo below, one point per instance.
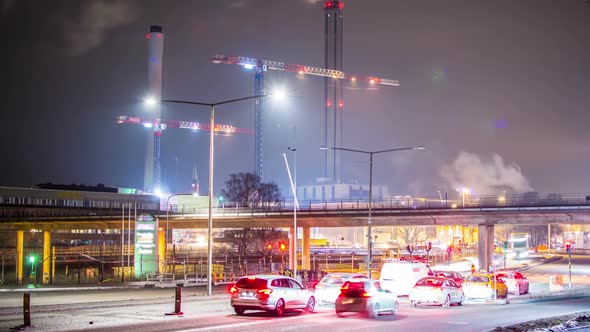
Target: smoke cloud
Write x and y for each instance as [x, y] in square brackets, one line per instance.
[484, 176]
[95, 19]
[313, 2]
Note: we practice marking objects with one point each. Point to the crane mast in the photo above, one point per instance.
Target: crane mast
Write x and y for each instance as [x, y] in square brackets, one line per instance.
[260, 66]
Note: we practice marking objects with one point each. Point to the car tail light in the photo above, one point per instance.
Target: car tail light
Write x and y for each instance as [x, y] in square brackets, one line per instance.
[233, 289]
[264, 291]
[365, 294]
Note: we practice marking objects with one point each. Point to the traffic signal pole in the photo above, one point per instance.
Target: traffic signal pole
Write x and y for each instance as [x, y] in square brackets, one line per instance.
[568, 248]
[569, 254]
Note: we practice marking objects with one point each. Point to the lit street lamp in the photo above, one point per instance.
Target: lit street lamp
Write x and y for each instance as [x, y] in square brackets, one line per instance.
[371, 153]
[211, 150]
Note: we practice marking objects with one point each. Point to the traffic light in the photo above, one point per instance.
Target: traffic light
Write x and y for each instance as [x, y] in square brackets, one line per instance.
[429, 246]
[32, 259]
[568, 246]
[282, 246]
[269, 246]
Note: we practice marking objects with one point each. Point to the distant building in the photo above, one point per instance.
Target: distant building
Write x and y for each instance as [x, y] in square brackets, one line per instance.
[340, 192]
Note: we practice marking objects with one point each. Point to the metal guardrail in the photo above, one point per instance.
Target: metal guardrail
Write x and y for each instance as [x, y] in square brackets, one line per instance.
[405, 204]
[521, 202]
[161, 278]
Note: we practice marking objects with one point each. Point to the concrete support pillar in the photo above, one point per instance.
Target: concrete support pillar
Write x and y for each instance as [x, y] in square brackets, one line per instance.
[20, 240]
[46, 257]
[161, 250]
[306, 246]
[292, 253]
[485, 248]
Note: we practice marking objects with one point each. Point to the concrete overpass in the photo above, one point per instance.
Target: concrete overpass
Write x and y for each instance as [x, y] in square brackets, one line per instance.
[485, 218]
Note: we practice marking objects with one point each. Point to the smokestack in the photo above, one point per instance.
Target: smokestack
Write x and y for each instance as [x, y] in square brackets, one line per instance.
[155, 40]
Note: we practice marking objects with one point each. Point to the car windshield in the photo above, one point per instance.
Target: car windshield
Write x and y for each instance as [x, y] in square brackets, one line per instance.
[478, 279]
[442, 274]
[432, 282]
[332, 280]
[251, 283]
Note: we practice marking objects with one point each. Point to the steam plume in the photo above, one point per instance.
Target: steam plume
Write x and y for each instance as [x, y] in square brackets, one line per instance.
[484, 176]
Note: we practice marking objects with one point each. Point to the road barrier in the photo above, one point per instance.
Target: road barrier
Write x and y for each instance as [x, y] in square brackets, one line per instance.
[162, 278]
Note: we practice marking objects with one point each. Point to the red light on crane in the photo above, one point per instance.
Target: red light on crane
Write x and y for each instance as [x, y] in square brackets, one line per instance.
[340, 104]
[329, 103]
[159, 35]
[148, 36]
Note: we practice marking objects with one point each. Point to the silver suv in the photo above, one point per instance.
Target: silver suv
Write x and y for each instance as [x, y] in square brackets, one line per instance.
[273, 293]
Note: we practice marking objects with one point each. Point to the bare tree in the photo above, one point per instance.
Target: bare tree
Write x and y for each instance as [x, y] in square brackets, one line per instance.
[412, 234]
[247, 189]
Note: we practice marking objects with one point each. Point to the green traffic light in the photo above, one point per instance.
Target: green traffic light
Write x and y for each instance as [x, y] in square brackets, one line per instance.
[32, 259]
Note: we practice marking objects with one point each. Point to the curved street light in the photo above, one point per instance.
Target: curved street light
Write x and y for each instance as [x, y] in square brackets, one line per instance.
[371, 153]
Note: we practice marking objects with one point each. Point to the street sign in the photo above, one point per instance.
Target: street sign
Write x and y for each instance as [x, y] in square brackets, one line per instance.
[146, 245]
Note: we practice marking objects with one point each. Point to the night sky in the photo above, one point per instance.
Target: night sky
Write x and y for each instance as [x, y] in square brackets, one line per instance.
[497, 91]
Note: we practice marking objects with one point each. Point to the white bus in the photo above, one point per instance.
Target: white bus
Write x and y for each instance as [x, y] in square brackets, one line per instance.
[518, 245]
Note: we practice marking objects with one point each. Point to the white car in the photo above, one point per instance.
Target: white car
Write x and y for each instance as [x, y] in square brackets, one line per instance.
[365, 296]
[272, 293]
[400, 276]
[328, 289]
[515, 281]
[436, 290]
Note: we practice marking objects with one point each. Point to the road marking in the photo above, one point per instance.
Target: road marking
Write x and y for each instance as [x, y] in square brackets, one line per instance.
[458, 323]
[235, 325]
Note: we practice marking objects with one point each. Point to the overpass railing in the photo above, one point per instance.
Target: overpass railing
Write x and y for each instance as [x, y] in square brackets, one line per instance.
[397, 204]
[528, 201]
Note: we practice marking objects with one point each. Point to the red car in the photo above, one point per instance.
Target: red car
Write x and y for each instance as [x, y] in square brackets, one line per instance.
[455, 276]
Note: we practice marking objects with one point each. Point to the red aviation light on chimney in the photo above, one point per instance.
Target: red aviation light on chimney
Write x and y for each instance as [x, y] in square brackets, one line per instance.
[340, 104]
[329, 103]
[159, 35]
[334, 4]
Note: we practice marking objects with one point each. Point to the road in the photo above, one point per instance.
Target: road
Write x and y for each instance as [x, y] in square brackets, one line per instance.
[145, 310]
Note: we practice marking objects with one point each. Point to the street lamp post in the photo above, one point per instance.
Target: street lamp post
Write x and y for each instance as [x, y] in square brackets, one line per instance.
[211, 151]
[295, 204]
[371, 153]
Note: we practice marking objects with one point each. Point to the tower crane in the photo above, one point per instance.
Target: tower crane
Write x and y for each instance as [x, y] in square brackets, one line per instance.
[220, 129]
[162, 124]
[260, 66]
